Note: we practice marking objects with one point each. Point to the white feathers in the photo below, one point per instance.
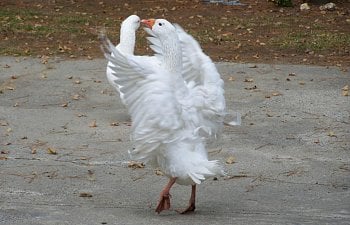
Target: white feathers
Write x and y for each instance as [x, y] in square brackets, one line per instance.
[173, 99]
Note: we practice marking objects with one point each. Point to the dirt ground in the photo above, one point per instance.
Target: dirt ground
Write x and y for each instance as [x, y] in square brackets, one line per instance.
[257, 31]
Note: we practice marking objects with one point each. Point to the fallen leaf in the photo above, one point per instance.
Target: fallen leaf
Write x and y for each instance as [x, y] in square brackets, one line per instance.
[345, 90]
[136, 165]
[85, 195]
[269, 114]
[251, 88]
[93, 124]
[230, 160]
[76, 97]
[51, 151]
[114, 124]
[3, 123]
[10, 88]
[248, 80]
[231, 78]
[302, 83]
[77, 81]
[33, 150]
[3, 158]
[64, 104]
[158, 172]
[81, 115]
[276, 93]
[332, 134]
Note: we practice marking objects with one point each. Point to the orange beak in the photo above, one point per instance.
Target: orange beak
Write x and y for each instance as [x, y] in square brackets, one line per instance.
[148, 23]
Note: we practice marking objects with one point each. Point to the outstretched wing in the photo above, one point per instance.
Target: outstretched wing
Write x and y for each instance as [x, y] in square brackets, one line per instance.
[155, 112]
[200, 70]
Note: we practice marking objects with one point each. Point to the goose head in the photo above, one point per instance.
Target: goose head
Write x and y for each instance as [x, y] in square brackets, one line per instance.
[132, 22]
[160, 27]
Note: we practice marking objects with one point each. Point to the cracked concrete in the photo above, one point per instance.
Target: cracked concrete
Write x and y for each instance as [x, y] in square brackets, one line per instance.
[291, 154]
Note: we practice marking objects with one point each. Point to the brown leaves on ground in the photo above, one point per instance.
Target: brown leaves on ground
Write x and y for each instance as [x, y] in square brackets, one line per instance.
[256, 32]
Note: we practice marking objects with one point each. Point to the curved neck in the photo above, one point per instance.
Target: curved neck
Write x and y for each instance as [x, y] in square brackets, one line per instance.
[127, 39]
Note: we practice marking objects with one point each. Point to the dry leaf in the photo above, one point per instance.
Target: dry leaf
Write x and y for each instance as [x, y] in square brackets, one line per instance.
[114, 124]
[33, 150]
[64, 104]
[251, 88]
[301, 82]
[269, 114]
[3, 158]
[77, 81]
[158, 172]
[231, 78]
[51, 151]
[76, 97]
[3, 123]
[248, 80]
[345, 90]
[332, 134]
[230, 160]
[81, 115]
[275, 93]
[10, 88]
[93, 124]
[85, 195]
[136, 165]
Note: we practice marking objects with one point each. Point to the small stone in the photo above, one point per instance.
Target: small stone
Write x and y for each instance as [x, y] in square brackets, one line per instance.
[329, 6]
[304, 7]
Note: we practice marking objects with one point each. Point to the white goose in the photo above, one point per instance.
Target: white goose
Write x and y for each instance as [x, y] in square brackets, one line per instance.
[165, 112]
[126, 45]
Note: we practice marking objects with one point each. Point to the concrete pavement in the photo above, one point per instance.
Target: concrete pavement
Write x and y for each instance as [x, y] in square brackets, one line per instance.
[64, 136]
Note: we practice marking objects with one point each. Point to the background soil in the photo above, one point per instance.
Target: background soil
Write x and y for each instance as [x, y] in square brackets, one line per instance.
[257, 31]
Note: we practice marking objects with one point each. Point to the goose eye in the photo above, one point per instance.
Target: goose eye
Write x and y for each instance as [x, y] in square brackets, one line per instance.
[160, 24]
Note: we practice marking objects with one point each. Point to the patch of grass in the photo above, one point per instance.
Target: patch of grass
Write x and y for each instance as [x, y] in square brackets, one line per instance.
[314, 41]
[72, 20]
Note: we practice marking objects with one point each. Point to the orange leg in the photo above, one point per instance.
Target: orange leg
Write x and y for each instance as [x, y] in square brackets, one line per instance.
[164, 201]
[191, 206]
